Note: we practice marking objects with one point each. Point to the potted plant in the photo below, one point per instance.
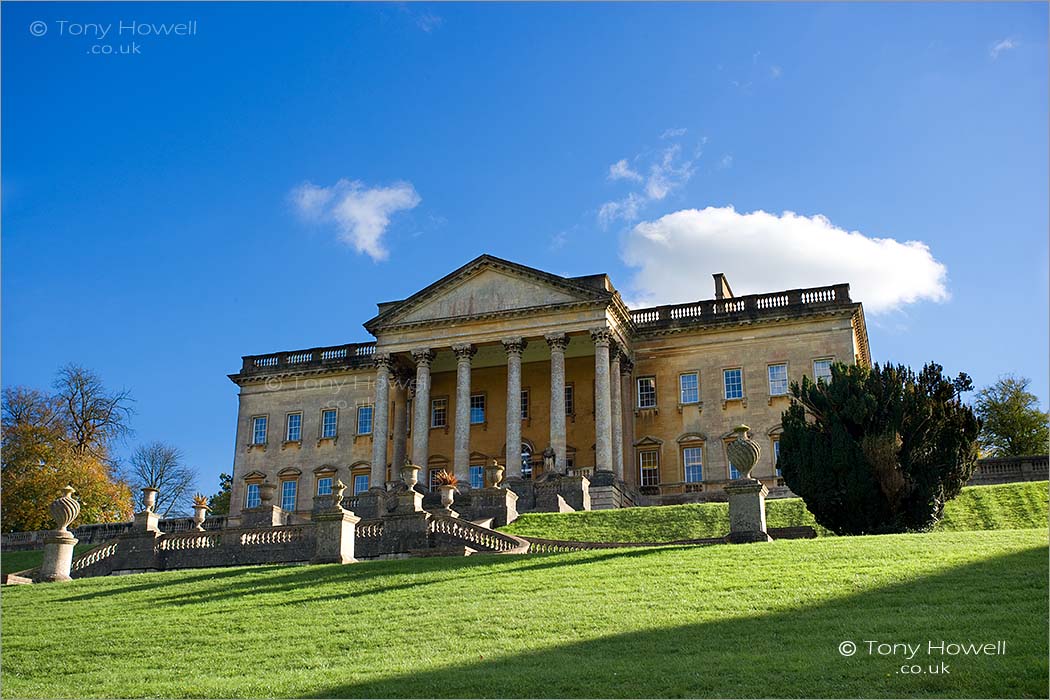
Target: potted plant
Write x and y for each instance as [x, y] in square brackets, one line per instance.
[200, 510]
[446, 483]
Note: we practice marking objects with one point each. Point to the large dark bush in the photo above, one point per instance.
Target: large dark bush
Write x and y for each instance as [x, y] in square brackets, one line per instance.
[880, 449]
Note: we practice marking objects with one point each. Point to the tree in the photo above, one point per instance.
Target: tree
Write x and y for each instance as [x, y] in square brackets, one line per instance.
[160, 465]
[1013, 425]
[94, 416]
[37, 459]
[220, 502]
[878, 450]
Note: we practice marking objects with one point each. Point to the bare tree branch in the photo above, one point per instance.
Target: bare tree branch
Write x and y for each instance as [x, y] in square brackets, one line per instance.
[159, 465]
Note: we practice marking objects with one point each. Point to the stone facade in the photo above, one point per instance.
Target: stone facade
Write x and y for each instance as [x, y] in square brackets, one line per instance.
[463, 345]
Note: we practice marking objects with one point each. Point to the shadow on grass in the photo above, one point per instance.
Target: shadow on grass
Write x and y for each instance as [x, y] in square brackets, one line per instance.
[782, 654]
[237, 583]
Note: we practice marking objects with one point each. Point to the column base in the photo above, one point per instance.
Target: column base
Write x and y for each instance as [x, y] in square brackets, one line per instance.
[58, 556]
[747, 511]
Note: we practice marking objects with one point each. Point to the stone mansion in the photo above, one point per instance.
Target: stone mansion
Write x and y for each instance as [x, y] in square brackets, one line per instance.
[499, 361]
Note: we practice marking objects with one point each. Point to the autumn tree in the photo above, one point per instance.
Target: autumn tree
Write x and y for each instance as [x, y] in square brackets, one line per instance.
[160, 465]
[1013, 425]
[50, 440]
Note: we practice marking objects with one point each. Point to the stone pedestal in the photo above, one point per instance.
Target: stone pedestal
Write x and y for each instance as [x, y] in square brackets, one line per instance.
[335, 537]
[747, 511]
[261, 516]
[58, 556]
[146, 521]
[525, 490]
[138, 551]
[499, 504]
[371, 504]
[576, 490]
[404, 532]
[409, 501]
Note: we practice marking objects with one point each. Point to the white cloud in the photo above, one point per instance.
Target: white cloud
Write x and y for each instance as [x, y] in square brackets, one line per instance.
[1000, 46]
[673, 133]
[626, 209]
[762, 252]
[775, 72]
[428, 21]
[361, 214]
[726, 161]
[620, 170]
[666, 173]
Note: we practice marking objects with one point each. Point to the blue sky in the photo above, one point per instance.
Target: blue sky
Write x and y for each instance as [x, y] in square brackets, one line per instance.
[261, 184]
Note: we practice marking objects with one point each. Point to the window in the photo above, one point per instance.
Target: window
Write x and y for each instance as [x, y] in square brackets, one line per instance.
[294, 431]
[688, 388]
[360, 483]
[524, 404]
[329, 422]
[776, 457]
[259, 430]
[570, 400]
[693, 463]
[252, 499]
[734, 383]
[288, 492]
[646, 392]
[439, 413]
[324, 486]
[778, 380]
[822, 370]
[477, 476]
[477, 409]
[364, 420]
[649, 467]
[433, 478]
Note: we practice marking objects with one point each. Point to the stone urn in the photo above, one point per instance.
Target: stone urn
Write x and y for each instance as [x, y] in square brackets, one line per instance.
[266, 491]
[448, 494]
[494, 474]
[65, 509]
[410, 474]
[200, 512]
[149, 498]
[743, 451]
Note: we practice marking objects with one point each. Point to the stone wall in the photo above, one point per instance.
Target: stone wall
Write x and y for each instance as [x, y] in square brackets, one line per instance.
[1002, 470]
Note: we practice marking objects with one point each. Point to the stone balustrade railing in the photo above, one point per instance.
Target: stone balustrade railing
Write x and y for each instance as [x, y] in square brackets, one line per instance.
[192, 540]
[95, 556]
[369, 529]
[468, 533]
[273, 535]
[752, 306]
[539, 545]
[335, 356]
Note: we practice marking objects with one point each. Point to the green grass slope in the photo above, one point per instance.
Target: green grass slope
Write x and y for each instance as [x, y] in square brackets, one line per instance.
[727, 621]
[1005, 506]
[11, 562]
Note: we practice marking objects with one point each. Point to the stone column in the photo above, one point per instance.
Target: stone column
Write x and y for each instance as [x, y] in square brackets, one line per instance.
[616, 382]
[461, 453]
[400, 447]
[557, 343]
[602, 408]
[627, 416]
[421, 412]
[514, 347]
[380, 418]
[58, 547]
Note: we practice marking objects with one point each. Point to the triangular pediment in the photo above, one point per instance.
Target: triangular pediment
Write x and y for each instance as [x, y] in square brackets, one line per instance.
[485, 287]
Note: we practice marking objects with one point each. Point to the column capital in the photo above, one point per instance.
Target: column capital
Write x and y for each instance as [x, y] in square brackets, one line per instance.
[402, 377]
[514, 346]
[557, 341]
[383, 360]
[464, 351]
[626, 366]
[602, 337]
[423, 356]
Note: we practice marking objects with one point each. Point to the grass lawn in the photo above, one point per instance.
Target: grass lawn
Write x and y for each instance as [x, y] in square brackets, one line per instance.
[19, 561]
[1005, 506]
[739, 621]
